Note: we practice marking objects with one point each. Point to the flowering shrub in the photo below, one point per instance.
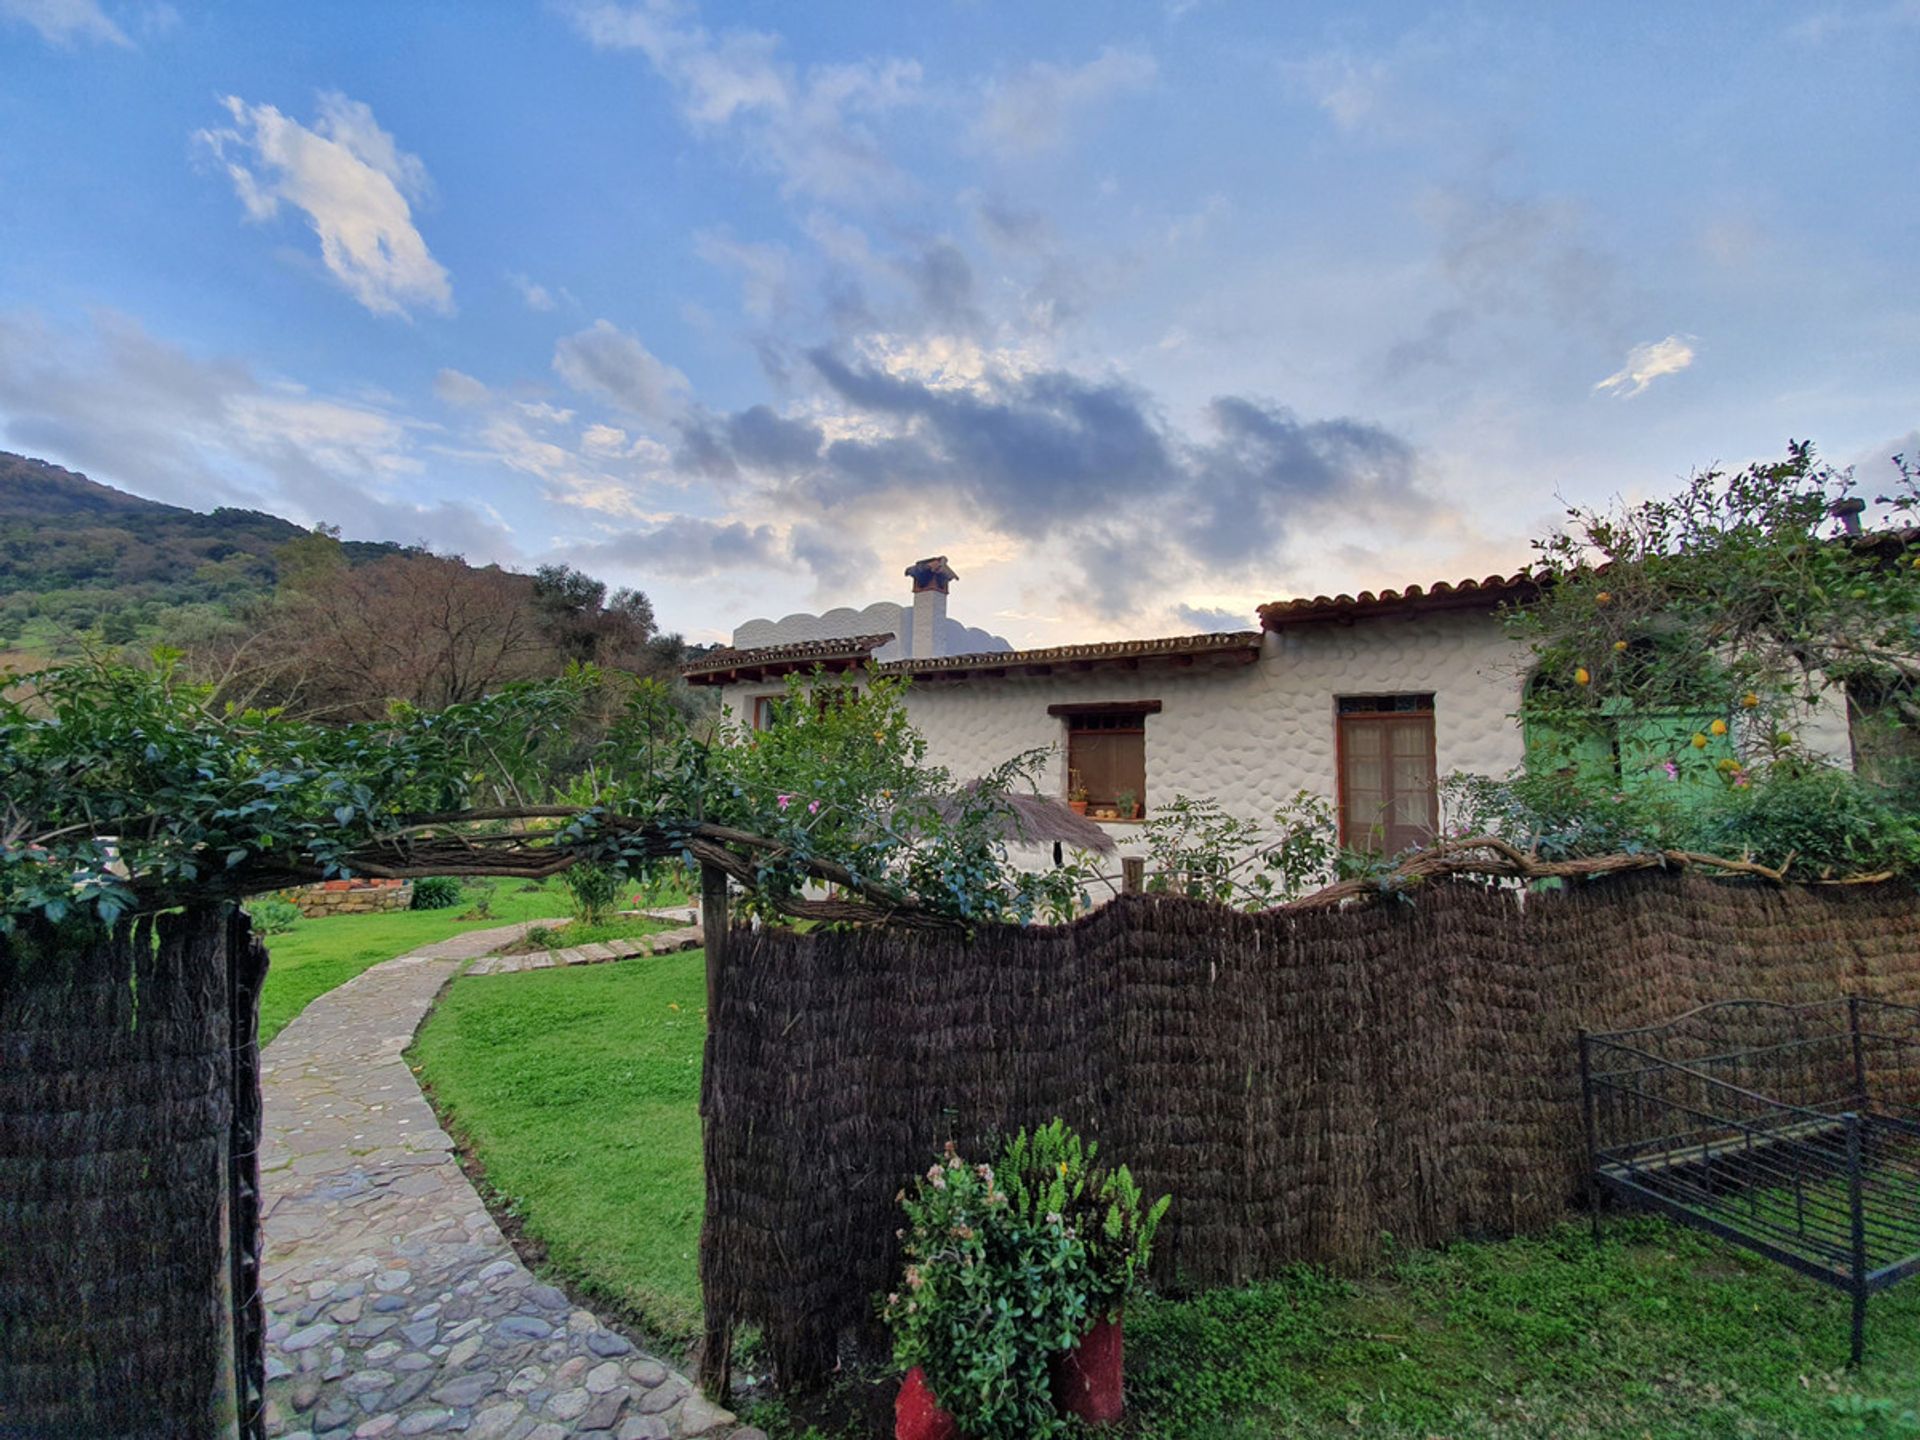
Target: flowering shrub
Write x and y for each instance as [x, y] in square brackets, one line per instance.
[990, 1294]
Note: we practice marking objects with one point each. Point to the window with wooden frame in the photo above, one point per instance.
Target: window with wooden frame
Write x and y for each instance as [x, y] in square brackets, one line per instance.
[1107, 754]
[1389, 788]
[763, 712]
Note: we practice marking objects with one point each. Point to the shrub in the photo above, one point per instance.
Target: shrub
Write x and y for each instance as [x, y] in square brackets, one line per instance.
[272, 915]
[1051, 1171]
[1826, 821]
[989, 1297]
[436, 892]
[594, 889]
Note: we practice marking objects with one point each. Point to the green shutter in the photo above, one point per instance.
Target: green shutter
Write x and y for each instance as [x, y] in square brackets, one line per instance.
[1584, 752]
[1650, 742]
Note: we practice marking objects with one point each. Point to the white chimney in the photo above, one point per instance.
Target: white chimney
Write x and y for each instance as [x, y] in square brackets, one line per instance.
[930, 577]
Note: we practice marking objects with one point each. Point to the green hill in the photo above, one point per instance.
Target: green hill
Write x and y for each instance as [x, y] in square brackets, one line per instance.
[80, 559]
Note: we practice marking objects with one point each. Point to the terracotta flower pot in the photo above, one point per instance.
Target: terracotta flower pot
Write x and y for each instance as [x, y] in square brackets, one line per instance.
[917, 1415]
[1087, 1380]
[1079, 807]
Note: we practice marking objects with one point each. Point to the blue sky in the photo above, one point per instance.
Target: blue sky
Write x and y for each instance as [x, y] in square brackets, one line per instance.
[1143, 314]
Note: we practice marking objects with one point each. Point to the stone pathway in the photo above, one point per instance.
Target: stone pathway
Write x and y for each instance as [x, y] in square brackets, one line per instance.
[662, 942]
[395, 1307]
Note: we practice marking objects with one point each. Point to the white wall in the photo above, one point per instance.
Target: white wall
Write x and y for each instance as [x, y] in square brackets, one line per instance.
[1250, 736]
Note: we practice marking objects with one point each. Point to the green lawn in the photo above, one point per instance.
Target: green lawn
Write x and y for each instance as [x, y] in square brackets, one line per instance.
[316, 955]
[579, 1089]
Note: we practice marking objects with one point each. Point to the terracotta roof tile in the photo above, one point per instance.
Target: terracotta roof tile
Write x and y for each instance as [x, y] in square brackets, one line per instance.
[1105, 651]
[1441, 595]
[796, 656]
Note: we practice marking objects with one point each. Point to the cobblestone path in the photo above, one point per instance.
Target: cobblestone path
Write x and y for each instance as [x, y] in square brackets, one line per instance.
[395, 1307]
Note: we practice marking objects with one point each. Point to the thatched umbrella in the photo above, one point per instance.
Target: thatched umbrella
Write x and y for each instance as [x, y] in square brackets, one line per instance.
[1036, 820]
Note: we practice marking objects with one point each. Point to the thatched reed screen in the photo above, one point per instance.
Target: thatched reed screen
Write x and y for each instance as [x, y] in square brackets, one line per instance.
[129, 1213]
[1301, 1084]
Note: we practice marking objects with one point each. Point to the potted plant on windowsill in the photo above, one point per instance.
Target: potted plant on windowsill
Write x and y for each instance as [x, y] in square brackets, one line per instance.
[990, 1297]
[1076, 794]
[1052, 1172]
[1128, 805]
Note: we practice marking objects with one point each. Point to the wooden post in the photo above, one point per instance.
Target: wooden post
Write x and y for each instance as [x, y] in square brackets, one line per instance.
[1133, 874]
[716, 1350]
[713, 928]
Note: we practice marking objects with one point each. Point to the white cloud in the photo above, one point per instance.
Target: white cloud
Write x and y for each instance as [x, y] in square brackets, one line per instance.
[352, 183]
[134, 410]
[535, 295]
[457, 388]
[1647, 363]
[606, 361]
[1038, 108]
[808, 127]
[1350, 91]
[61, 22]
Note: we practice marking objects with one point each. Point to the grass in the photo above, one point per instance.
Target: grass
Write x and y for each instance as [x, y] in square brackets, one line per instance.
[578, 1089]
[316, 955]
[565, 936]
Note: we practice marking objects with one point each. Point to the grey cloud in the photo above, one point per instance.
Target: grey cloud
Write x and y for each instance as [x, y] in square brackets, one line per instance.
[1267, 469]
[837, 559]
[604, 360]
[943, 280]
[687, 547]
[1084, 465]
[1210, 619]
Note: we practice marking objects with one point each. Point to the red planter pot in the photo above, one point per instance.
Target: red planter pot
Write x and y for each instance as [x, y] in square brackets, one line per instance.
[917, 1415]
[1087, 1380]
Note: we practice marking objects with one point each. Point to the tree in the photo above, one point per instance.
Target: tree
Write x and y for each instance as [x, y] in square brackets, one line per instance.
[1742, 599]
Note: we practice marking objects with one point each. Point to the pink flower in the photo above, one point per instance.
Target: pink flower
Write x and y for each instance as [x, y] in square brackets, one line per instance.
[783, 801]
[1673, 770]
[813, 807]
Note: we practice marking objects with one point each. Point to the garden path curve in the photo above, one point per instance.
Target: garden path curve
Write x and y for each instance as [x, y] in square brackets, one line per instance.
[395, 1307]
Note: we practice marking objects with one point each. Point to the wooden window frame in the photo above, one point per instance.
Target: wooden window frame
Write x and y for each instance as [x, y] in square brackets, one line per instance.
[1342, 715]
[1110, 712]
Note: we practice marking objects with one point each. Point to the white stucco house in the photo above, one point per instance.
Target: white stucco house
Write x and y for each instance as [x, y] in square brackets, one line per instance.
[1367, 700]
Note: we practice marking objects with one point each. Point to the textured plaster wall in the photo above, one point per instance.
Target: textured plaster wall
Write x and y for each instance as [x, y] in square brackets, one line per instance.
[1251, 736]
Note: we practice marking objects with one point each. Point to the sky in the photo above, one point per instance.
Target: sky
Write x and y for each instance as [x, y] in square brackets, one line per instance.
[1143, 314]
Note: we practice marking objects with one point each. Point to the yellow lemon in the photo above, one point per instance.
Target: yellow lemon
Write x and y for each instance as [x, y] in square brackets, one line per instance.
[1699, 741]
[1603, 598]
[1719, 727]
[1750, 700]
[1581, 677]
[1620, 646]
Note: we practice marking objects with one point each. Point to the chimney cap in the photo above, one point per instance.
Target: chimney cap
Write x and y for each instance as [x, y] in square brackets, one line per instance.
[1847, 512]
[932, 573]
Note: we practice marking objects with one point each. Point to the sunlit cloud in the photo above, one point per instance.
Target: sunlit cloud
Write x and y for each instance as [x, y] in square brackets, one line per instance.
[1648, 363]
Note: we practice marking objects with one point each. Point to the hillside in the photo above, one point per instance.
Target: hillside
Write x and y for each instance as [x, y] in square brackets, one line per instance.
[79, 558]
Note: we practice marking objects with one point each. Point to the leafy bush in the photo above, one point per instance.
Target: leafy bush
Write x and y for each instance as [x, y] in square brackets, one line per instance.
[594, 891]
[436, 892]
[1053, 1172]
[1195, 848]
[1823, 820]
[272, 915]
[990, 1296]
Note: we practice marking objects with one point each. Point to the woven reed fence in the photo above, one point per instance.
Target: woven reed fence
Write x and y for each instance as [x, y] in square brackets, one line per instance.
[129, 1213]
[1301, 1084]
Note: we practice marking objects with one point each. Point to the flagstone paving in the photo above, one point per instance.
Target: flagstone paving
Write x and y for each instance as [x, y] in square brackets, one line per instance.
[395, 1307]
